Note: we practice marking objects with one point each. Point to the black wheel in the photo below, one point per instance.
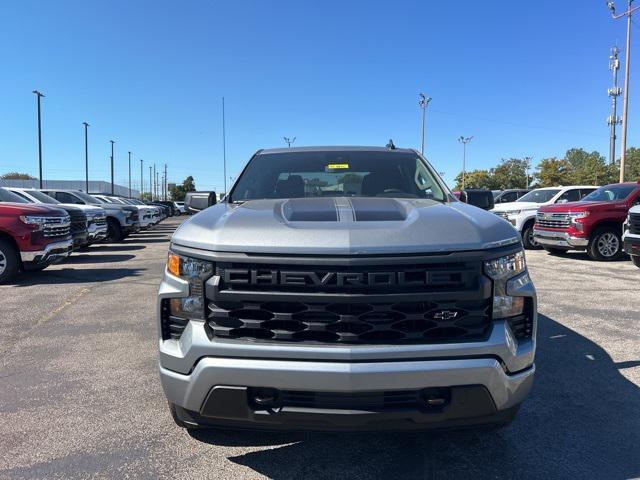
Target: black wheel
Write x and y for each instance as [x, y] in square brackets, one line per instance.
[605, 245]
[528, 241]
[636, 260]
[555, 251]
[114, 232]
[9, 262]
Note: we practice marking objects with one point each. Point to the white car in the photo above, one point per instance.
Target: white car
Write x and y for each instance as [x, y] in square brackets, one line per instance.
[148, 215]
[631, 235]
[96, 216]
[180, 207]
[522, 213]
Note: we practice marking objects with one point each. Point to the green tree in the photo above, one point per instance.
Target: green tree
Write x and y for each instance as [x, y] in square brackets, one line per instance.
[511, 173]
[180, 191]
[475, 179]
[632, 165]
[587, 168]
[17, 176]
[552, 172]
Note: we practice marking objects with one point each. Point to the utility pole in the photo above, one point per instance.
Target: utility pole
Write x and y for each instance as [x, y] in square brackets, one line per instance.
[129, 174]
[141, 179]
[464, 141]
[154, 195]
[156, 185]
[289, 141]
[86, 157]
[614, 92]
[527, 161]
[150, 184]
[39, 96]
[164, 187]
[224, 150]
[625, 102]
[112, 189]
[423, 102]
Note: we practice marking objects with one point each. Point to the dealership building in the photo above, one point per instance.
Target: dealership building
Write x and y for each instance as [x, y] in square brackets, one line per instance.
[94, 186]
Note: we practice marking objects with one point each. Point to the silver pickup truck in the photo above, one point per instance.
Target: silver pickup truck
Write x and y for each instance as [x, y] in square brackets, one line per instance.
[345, 288]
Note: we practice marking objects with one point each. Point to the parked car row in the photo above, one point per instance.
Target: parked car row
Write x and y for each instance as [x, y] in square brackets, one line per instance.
[42, 227]
[599, 220]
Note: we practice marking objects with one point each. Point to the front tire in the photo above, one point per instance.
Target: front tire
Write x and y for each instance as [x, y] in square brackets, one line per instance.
[9, 261]
[605, 245]
[528, 241]
[114, 232]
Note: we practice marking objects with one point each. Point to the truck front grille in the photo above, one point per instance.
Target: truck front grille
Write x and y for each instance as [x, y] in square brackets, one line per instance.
[100, 220]
[78, 222]
[553, 220]
[634, 223]
[57, 227]
[357, 323]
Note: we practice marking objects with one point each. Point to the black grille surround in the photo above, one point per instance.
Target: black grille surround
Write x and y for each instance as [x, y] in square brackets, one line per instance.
[634, 223]
[453, 304]
[171, 327]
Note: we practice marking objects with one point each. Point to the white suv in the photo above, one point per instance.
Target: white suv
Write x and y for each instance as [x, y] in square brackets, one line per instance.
[522, 214]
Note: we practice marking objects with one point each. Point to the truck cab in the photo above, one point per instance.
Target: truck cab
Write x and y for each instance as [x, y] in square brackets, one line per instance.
[32, 236]
[593, 224]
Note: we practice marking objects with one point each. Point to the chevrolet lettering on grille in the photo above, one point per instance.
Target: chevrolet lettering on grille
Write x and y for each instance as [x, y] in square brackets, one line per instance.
[294, 278]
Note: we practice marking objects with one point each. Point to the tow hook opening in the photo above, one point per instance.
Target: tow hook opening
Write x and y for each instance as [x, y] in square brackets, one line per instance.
[435, 398]
[263, 398]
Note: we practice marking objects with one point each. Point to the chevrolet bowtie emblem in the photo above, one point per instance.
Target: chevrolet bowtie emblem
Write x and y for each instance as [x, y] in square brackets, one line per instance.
[445, 315]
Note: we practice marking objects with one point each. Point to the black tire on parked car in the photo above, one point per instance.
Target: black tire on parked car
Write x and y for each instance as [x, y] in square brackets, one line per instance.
[9, 261]
[555, 251]
[114, 232]
[527, 238]
[605, 244]
[636, 260]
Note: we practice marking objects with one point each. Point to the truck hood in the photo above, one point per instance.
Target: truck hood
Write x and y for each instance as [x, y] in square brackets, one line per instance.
[580, 206]
[344, 226]
[31, 209]
[90, 210]
[510, 206]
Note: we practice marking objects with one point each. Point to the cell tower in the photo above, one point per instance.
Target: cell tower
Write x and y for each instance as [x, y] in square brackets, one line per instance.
[614, 93]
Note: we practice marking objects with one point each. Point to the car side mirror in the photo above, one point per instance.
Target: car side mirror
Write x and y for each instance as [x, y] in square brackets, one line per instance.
[478, 198]
[195, 202]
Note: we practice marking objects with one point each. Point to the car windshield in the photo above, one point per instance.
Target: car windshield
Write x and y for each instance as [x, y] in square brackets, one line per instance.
[609, 193]
[43, 197]
[88, 198]
[539, 196]
[7, 196]
[336, 174]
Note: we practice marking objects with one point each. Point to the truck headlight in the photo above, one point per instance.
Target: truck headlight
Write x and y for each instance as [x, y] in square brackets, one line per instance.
[196, 272]
[36, 221]
[502, 271]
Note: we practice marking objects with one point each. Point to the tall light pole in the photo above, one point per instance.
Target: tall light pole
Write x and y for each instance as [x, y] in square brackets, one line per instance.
[129, 174]
[423, 102]
[150, 184]
[614, 92]
[153, 189]
[86, 157]
[141, 179]
[464, 141]
[39, 96]
[625, 102]
[112, 189]
[224, 149]
[289, 141]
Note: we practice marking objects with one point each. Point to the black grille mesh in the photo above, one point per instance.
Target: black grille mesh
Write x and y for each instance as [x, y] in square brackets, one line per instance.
[634, 224]
[356, 323]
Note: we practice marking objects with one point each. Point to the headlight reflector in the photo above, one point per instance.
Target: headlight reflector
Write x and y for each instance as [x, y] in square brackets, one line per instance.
[501, 270]
[196, 272]
[505, 267]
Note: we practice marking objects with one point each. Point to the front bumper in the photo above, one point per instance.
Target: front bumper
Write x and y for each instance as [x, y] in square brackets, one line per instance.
[631, 243]
[97, 232]
[195, 366]
[52, 253]
[555, 238]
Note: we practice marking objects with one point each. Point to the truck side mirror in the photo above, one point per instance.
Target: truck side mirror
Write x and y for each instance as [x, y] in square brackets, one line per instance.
[478, 198]
[195, 202]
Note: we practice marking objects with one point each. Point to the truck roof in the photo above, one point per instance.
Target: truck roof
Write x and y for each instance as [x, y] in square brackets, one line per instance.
[334, 148]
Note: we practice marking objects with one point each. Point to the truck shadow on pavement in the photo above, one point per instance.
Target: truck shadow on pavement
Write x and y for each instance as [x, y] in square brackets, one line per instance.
[582, 420]
[80, 258]
[72, 275]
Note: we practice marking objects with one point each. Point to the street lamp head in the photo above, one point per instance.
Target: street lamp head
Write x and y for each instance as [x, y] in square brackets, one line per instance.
[611, 6]
[39, 94]
[85, 124]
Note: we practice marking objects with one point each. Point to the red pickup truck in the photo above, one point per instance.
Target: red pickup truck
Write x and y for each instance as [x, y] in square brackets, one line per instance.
[31, 236]
[593, 224]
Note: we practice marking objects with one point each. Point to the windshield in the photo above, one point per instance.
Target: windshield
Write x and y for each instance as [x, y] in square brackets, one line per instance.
[43, 197]
[88, 198]
[609, 193]
[337, 174]
[539, 196]
[7, 196]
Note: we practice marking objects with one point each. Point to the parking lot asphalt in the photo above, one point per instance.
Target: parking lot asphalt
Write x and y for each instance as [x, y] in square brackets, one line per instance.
[80, 395]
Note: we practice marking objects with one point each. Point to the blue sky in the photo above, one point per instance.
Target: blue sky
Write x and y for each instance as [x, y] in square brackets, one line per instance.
[524, 78]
